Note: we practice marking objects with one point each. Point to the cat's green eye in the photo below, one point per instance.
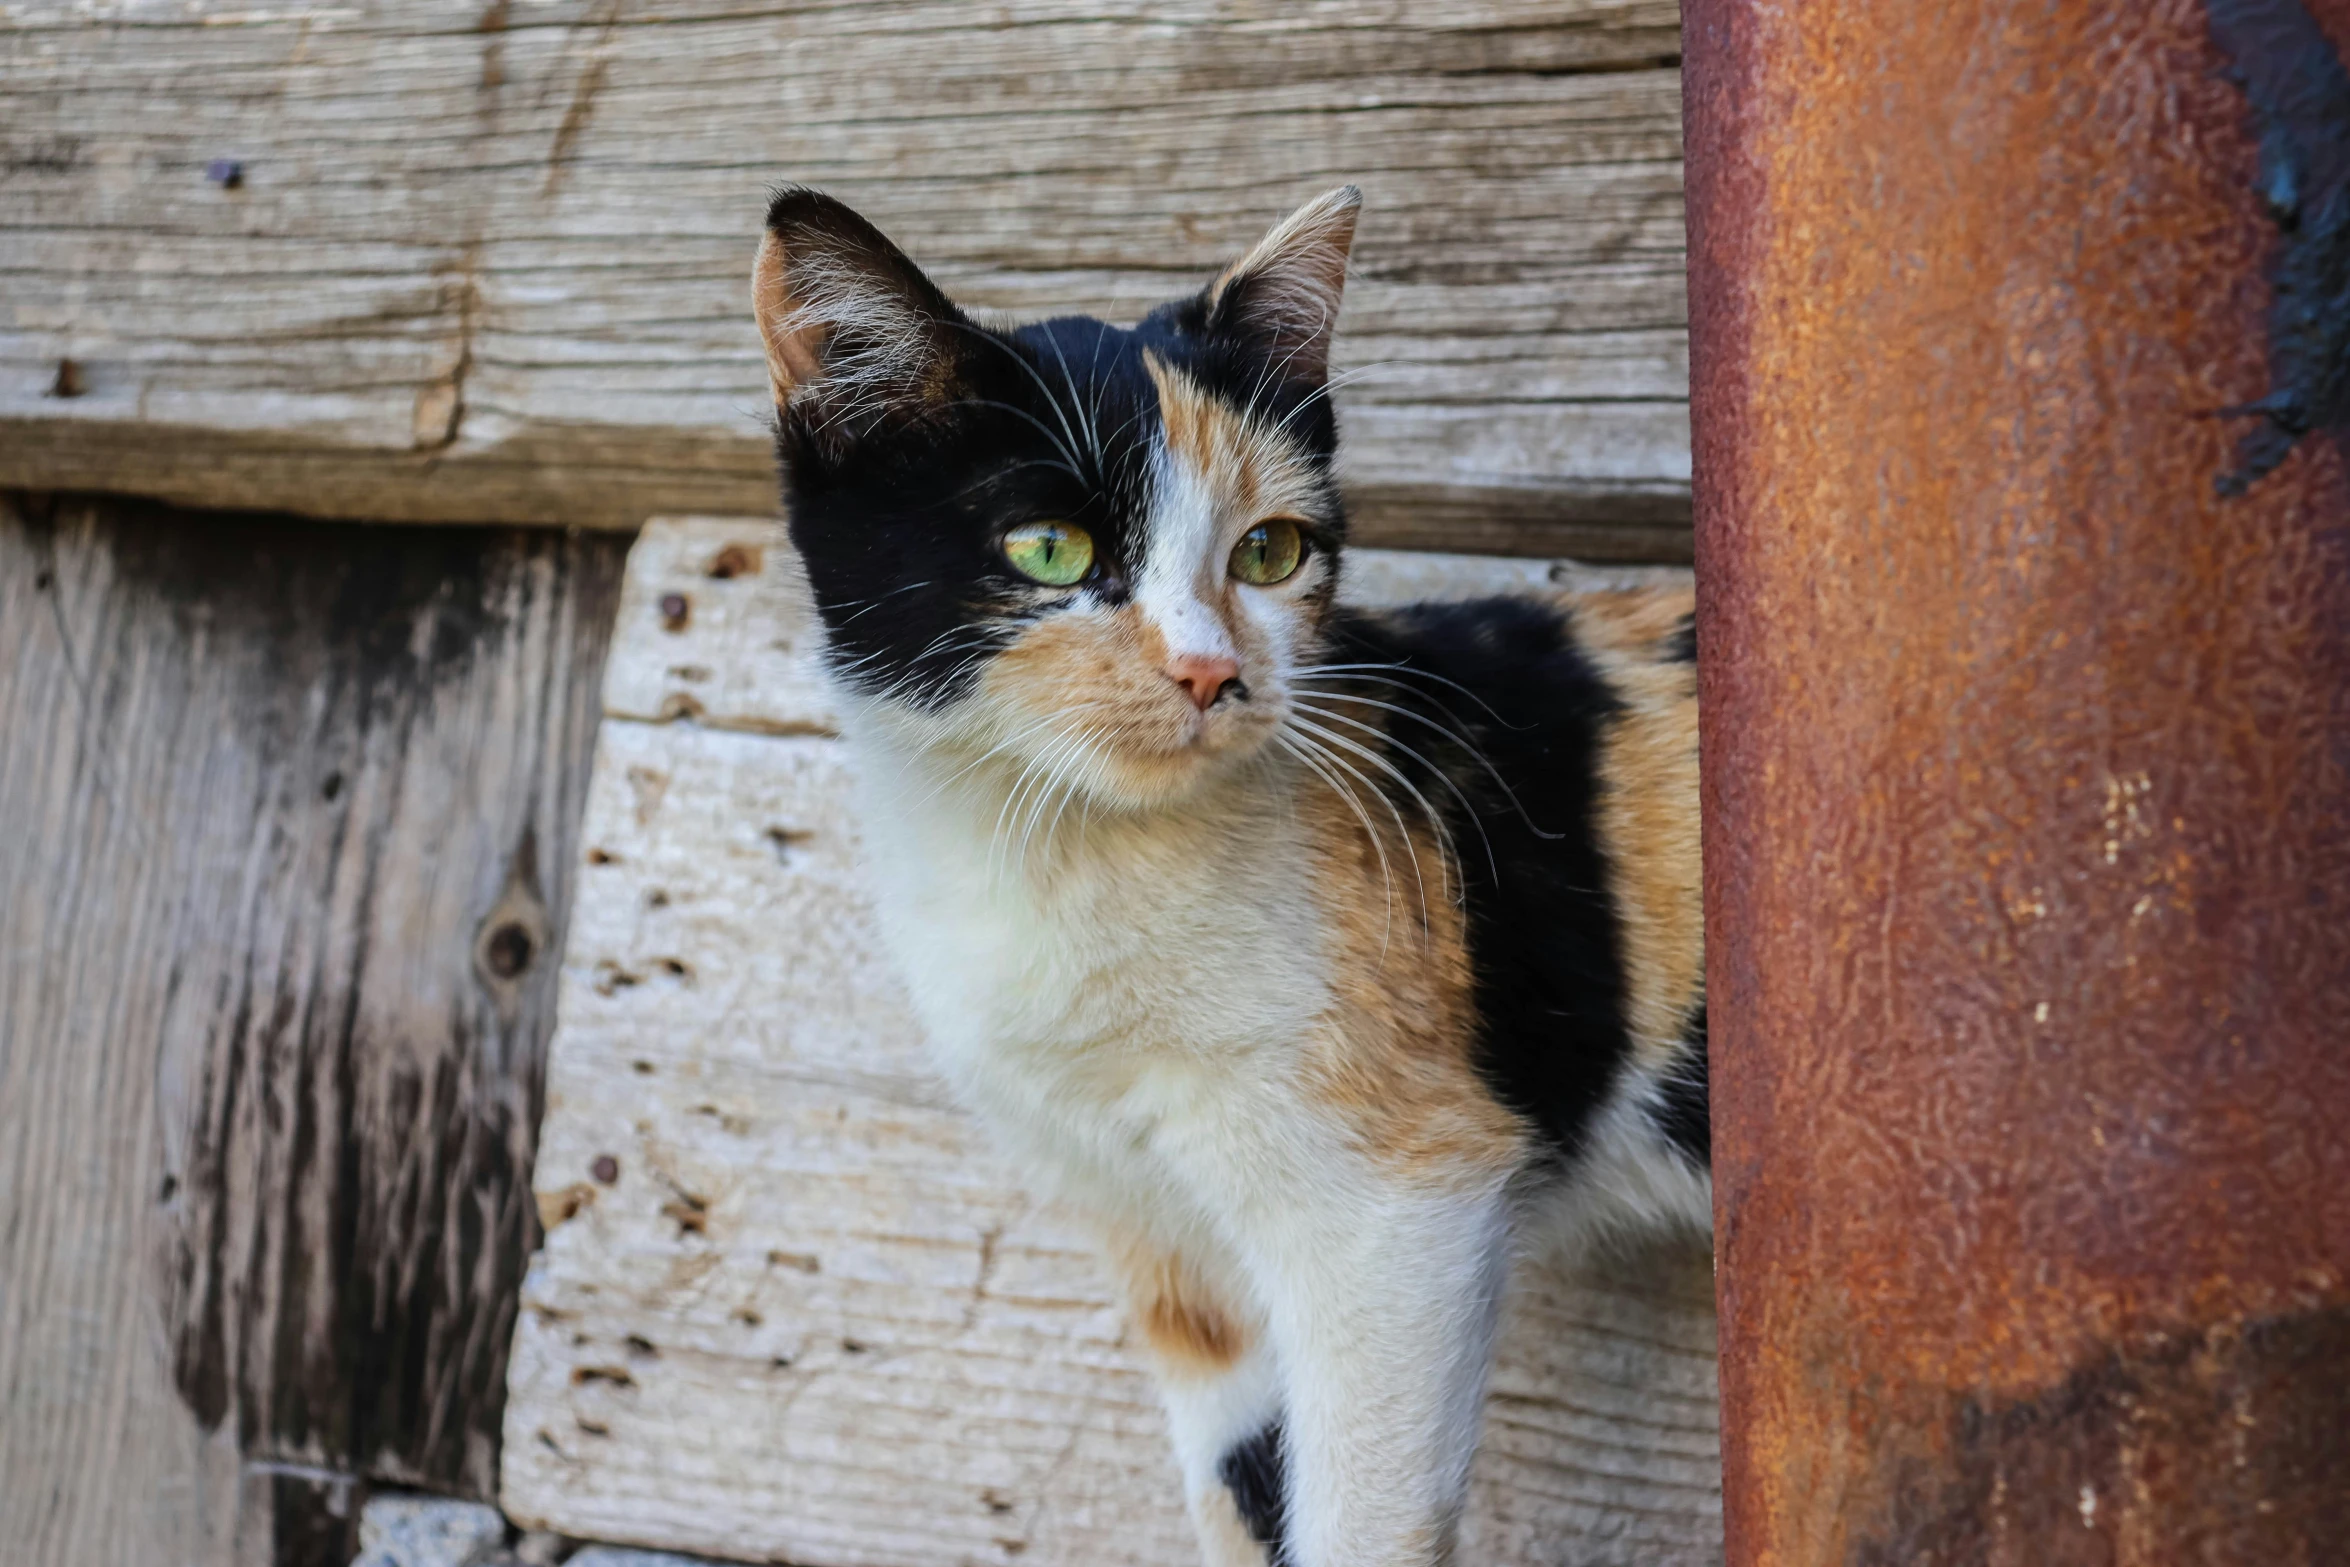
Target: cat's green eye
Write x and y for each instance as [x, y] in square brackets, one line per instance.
[1270, 552]
[1053, 553]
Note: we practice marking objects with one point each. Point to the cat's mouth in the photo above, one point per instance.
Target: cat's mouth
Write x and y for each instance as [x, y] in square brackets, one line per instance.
[1097, 705]
[1165, 754]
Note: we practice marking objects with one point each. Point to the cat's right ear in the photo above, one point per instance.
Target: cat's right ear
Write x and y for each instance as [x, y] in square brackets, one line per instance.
[854, 332]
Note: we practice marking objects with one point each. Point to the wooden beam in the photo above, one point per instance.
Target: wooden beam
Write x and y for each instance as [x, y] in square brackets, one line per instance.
[793, 1306]
[290, 830]
[408, 261]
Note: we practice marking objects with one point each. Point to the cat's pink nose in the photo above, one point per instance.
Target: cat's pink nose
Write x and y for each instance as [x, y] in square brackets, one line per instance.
[1202, 679]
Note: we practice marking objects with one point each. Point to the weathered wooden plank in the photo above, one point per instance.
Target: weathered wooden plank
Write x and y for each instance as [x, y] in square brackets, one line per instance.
[792, 1306]
[485, 261]
[290, 813]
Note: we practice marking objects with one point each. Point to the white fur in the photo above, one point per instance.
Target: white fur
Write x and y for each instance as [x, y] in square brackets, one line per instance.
[1184, 535]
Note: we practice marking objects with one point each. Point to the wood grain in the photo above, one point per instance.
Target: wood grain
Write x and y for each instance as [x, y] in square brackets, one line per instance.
[791, 1306]
[486, 260]
[270, 1061]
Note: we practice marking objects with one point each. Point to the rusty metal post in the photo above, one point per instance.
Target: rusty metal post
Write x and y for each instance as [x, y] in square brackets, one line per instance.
[2026, 663]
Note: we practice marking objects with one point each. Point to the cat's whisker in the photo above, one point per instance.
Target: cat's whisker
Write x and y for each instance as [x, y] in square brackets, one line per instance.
[1468, 807]
[1061, 779]
[1007, 743]
[1331, 386]
[1387, 671]
[1033, 374]
[1330, 737]
[1070, 460]
[1448, 854]
[1315, 759]
[868, 606]
[1036, 774]
[1305, 340]
[1093, 389]
[1093, 440]
[1002, 747]
[916, 672]
[1065, 784]
[1457, 735]
[995, 840]
[1038, 797]
[1321, 746]
[1075, 792]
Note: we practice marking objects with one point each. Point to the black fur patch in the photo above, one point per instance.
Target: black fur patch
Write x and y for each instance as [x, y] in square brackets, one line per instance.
[1253, 1473]
[1500, 731]
[1683, 1113]
[1684, 644]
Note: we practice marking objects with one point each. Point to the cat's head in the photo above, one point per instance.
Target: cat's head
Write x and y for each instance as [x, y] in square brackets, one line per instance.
[1097, 550]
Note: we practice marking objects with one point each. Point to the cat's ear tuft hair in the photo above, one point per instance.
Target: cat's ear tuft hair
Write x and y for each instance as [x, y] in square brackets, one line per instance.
[1283, 296]
[853, 330]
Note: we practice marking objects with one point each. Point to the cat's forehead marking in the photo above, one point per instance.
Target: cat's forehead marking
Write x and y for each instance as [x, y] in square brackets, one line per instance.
[1208, 435]
[1250, 467]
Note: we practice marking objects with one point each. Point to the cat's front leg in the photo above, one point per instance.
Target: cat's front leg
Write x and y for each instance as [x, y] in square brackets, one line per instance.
[1382, 1293]
[1210, 1351]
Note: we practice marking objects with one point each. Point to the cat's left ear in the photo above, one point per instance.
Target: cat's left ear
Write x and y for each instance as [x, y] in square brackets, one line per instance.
[1282, 297]
[854, 332]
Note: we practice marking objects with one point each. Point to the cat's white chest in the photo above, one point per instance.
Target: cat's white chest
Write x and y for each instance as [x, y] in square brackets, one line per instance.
[1122, 984]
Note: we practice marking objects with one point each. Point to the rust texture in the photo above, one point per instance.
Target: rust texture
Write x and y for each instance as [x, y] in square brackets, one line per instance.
[2027, 773]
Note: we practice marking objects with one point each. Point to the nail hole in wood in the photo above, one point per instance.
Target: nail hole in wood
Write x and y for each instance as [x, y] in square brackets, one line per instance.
[509, 950]
[736, 560]
[616, 1376]
[676, 611]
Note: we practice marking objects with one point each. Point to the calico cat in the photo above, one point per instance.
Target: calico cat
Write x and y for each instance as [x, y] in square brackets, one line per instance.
[1323, 957]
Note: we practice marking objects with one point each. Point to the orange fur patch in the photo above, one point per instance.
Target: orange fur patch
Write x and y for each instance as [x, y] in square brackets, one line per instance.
[1394, 1061]
[1648, 821]
[1252, 471]
[1210, 437]
[1188, 1322]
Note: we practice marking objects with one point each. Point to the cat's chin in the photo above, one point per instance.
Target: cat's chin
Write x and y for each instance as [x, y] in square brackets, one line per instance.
[1139, 778]
[1153, 760]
